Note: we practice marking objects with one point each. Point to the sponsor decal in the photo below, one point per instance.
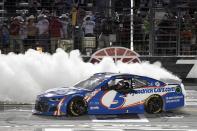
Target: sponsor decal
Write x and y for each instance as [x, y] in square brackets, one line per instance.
[157, 83]
[114, 100]
[173, 99]
[94, 108]
[156, 90]
[178, 90]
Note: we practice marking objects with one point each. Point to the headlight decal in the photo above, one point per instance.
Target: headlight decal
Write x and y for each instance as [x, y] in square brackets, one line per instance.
[58, 112]
[55, 99]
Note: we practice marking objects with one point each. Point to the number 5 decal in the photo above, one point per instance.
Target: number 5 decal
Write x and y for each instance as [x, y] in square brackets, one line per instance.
[112, 100]
[118, 101]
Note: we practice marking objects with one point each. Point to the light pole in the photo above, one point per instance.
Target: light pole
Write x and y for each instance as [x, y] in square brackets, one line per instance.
[131, 27]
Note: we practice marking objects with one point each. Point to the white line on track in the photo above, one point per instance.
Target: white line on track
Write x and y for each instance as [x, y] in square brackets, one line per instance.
[160, 129]
[21, 110]
[113, 129]
[107, 129]
[62, 129]
[191, 98]
[5, 126]
[141, 118]
[191, 91]
[174, 117]
[191, 103]
[57, 129]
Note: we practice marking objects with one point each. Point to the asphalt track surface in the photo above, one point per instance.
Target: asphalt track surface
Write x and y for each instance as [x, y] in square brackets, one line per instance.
[20, 118]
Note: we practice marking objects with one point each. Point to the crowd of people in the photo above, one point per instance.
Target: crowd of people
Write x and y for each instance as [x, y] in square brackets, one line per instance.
[46, 24]
[44, 30]
[172, 26]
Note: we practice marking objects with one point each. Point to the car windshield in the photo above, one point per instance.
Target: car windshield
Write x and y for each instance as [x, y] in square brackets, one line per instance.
[90, 83]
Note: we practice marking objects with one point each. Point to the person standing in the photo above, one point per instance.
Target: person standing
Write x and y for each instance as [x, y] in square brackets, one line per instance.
[43, 32]
[106, 27]
[14, 33]
[55, 28]
[65, 26]
[88, 26]
[4, 32]
[74, 12]
[31, 31]
[23, 34]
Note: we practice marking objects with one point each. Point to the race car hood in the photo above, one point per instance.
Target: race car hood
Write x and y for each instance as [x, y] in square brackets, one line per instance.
[63, 91]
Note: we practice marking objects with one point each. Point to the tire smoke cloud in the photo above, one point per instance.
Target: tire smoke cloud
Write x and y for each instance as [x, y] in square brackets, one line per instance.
[23, 76]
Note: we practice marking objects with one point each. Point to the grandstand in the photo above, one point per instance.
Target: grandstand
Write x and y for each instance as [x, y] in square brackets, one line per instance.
[150, 27]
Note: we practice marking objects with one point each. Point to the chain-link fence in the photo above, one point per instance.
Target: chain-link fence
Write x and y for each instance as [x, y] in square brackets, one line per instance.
[150, 27]
[165, 27]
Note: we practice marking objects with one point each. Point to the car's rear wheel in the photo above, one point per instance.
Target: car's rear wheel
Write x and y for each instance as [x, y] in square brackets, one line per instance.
[154, 104]
[77, 106]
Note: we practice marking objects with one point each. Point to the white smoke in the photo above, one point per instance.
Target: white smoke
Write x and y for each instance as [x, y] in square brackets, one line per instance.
[23, 76]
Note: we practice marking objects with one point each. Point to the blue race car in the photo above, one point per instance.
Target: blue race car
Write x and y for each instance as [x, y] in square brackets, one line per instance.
[112, 93]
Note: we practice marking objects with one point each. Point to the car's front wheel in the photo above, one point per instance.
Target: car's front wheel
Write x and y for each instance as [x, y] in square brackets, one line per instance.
[77, 106]
[154, 104]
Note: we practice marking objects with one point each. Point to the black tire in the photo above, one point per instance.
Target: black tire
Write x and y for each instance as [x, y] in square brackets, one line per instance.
[154, 104]
[77, 106]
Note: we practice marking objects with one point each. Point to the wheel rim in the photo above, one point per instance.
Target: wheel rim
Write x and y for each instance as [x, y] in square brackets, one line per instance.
[78, 107]
[155, 105]
[117, 53]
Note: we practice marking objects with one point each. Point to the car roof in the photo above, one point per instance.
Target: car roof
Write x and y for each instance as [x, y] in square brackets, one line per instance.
[109, 74]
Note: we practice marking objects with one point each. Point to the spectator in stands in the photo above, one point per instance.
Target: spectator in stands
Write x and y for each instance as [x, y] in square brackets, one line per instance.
[187, 34]
[106, 25]
[31, 31]
[4, 32]
[43, 32]
[88, 26]
[81, 13]
[23, 34]
[65, 21]
[14, 33]
[92, 16]
[74, 15]
[1, 26]
[47, 13]
[146, 29]
[187, 20]
[55, 28]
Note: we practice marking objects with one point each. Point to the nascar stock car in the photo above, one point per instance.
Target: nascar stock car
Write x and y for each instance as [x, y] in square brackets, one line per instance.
[112, 93]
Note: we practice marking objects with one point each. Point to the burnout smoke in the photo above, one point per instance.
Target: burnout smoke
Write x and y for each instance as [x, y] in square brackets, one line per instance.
[23, 76]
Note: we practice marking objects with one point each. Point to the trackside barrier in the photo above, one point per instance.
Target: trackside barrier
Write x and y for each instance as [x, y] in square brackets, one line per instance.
[66, 45]
[88, 44]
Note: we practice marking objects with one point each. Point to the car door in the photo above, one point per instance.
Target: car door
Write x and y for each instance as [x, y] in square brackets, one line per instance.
[127, 100]
[117, 101]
